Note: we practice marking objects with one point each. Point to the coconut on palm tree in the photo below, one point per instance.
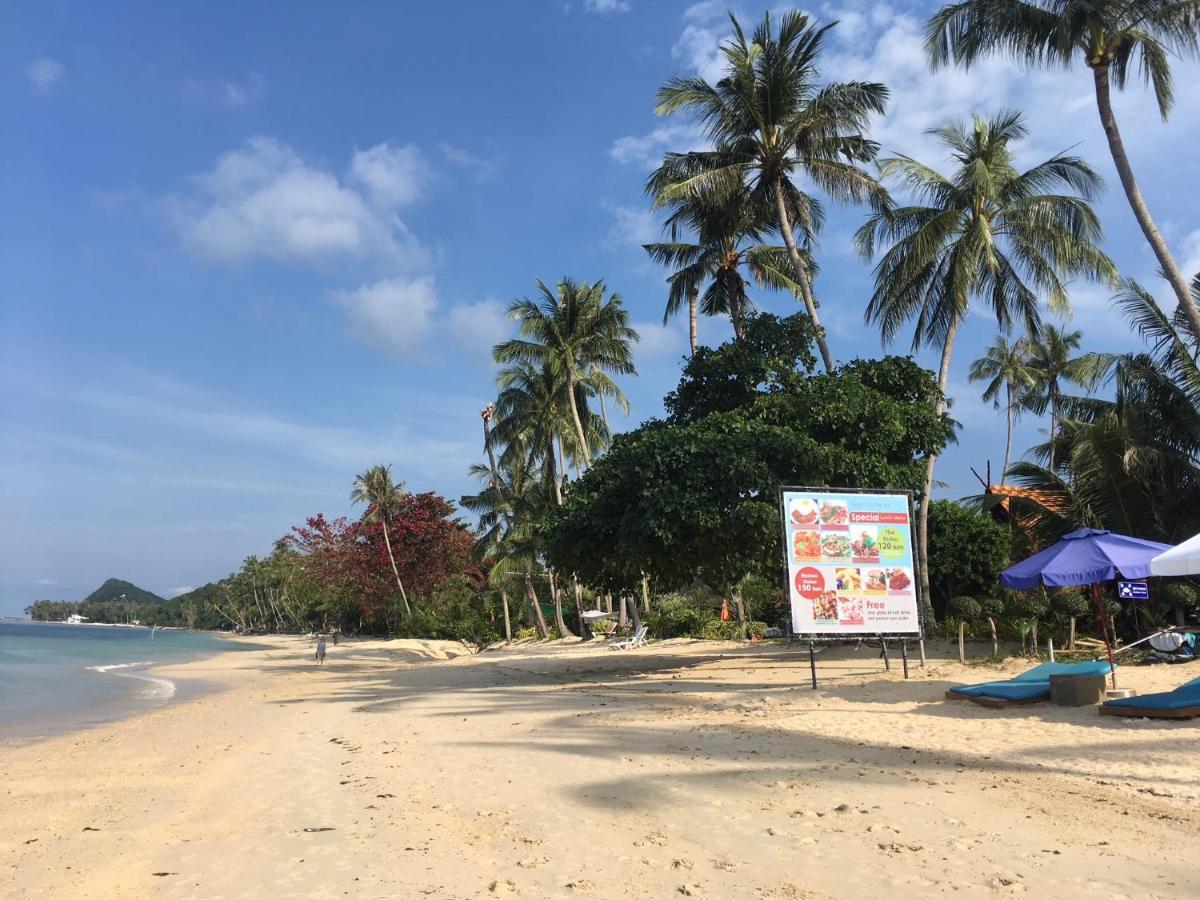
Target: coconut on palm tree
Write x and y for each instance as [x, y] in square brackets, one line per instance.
[375, 488]
[986, 233]
[1054, 367]
[576, 330]
[1006, 370]
[1116, 39]
[771, 122]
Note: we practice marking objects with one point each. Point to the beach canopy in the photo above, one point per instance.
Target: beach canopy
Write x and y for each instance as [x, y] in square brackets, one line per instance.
[1181, 560]
[1084, 557]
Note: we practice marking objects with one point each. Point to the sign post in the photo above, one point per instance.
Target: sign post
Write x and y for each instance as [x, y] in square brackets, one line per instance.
[1133, 590]
[850, 566]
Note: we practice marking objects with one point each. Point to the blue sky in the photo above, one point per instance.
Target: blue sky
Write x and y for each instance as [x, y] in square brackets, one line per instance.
[250, 249]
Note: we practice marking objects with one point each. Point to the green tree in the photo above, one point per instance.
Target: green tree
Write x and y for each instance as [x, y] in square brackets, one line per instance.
[574, 330]
[1113, 38]
[771, 122]
[375, 488]
[1006, 369]
[988, 232]
[967, 552]
[726, 241]
[1054, 367]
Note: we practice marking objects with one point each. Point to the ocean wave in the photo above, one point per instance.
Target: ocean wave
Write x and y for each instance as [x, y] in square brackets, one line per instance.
[158, 689]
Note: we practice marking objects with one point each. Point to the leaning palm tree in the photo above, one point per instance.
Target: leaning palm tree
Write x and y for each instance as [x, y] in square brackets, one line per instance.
[375, 488]
[726, 240]
[1055, 367]
[989, 233]
[575, 329]
[1113, 38]
[1005, 367]
[770, 122]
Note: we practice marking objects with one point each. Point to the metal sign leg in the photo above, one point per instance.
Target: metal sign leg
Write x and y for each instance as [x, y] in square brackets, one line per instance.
[812, 661]
[887, 663]
[904, 656]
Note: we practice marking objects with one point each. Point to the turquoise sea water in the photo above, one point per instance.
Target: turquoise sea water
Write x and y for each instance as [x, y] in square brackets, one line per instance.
[56, 678]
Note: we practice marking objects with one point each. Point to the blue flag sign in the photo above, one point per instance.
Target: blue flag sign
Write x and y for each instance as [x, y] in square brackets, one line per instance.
[1133, 590]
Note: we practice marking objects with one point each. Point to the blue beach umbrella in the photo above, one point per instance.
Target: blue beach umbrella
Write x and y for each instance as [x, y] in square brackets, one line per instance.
[1086, 556]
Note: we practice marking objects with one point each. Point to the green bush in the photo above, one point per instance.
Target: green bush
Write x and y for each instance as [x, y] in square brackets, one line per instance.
[678, 615]
[967, 552]
[765, 600]
[757, 629]
[1179, 595]
[717, 630]
[525, 634]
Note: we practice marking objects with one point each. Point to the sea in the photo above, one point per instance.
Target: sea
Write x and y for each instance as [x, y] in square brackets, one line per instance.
[56, 677]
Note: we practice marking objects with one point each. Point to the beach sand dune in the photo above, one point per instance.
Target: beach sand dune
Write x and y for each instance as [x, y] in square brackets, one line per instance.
[410, 769]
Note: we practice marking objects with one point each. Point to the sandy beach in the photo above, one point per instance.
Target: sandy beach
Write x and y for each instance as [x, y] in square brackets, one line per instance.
[410, 769]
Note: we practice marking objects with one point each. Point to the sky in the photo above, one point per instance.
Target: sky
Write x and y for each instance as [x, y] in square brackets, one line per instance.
[249, 250]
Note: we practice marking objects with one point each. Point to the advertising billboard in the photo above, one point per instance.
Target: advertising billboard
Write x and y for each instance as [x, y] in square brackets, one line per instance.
[850, 562]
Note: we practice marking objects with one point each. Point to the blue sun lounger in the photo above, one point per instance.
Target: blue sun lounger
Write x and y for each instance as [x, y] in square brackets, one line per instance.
[1181, 703]
[1028, 687]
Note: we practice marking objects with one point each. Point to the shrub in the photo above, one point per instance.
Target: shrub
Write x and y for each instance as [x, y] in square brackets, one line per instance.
[967, 552]
[1181, 597]
[677, 615]
[717, 630]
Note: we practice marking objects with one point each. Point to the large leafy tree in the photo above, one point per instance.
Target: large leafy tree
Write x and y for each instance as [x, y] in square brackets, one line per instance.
[1116, 39]
[1055, 366]
[383, 497]
[987, 232]
[771, 123]
[1006, 369]
[575, 331]
[697, 495]
[726, 243]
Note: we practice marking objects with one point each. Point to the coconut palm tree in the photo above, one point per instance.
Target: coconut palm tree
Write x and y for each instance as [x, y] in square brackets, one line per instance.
[575, 330]
[375, 488]
[1113, 38]
[1054, 367]
[988, 233]
[770, 121]
[726, 241]
[1006, 370]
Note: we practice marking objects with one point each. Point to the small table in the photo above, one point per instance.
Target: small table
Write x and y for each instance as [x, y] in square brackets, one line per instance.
[1077, 690]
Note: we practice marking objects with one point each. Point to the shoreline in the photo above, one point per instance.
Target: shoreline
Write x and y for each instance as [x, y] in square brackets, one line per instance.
[404, 767]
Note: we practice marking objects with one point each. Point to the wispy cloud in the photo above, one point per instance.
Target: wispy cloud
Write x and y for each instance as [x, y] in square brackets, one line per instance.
[244, 92]
[481, 167]
[45, 582]
[646, 150]
[632, 227]
[393, 315]
[606, 6]
[478, 327]
[45, 74]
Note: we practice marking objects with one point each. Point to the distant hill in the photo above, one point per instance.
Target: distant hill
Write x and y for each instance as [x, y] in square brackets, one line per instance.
[115, 587]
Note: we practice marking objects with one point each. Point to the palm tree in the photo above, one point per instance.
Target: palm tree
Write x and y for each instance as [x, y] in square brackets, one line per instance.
[1006, 369]
[1112, 38]
[577, 331]
[1050, 357]
[375, 488]
[727, 239]
[769, 121]
[988, 232]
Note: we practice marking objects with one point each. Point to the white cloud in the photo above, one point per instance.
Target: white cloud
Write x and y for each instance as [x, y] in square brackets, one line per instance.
[477, 327]
[393, 176]
[45, 74]
[659, 341]
[632, 227]
[177, 591]
[647, 150]
[1189, 256]
[459, 156]
[243, 93]
[264, 200]
[606, 6]
[45, 582]
[699, 46]
[393, 315]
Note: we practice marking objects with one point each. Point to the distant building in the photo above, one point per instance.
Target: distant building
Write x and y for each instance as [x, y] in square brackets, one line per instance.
[76, 619]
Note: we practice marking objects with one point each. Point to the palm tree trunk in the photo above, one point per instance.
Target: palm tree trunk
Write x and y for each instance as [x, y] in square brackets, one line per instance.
[923, 510]
[1008, 439]
[583, 444]
[553, 475]
[739, 324]
[392, 559]
[559, 621]
[507, 622]
[693, 319]
[1137, 203]
[487, 443]
[1053, 428]
[539, 621]
[785, 226]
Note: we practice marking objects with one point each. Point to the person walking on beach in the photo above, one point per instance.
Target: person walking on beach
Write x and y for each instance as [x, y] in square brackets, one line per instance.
[320, 649]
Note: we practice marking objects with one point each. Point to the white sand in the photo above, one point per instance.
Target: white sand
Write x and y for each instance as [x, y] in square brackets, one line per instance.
[682, 769]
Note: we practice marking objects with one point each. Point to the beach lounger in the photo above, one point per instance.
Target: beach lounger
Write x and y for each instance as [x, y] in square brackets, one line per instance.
[1181, 703]
[1028, 687]
[639, 638]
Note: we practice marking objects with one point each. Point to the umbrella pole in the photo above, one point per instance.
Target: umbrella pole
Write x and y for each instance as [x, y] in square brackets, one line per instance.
[1102, 620]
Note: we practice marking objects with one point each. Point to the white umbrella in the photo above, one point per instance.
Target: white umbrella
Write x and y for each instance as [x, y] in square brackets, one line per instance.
[1181, 560]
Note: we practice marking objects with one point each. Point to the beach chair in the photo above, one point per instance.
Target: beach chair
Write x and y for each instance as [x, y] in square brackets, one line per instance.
[1181, 703]
[1028, 687]
[639, 638]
